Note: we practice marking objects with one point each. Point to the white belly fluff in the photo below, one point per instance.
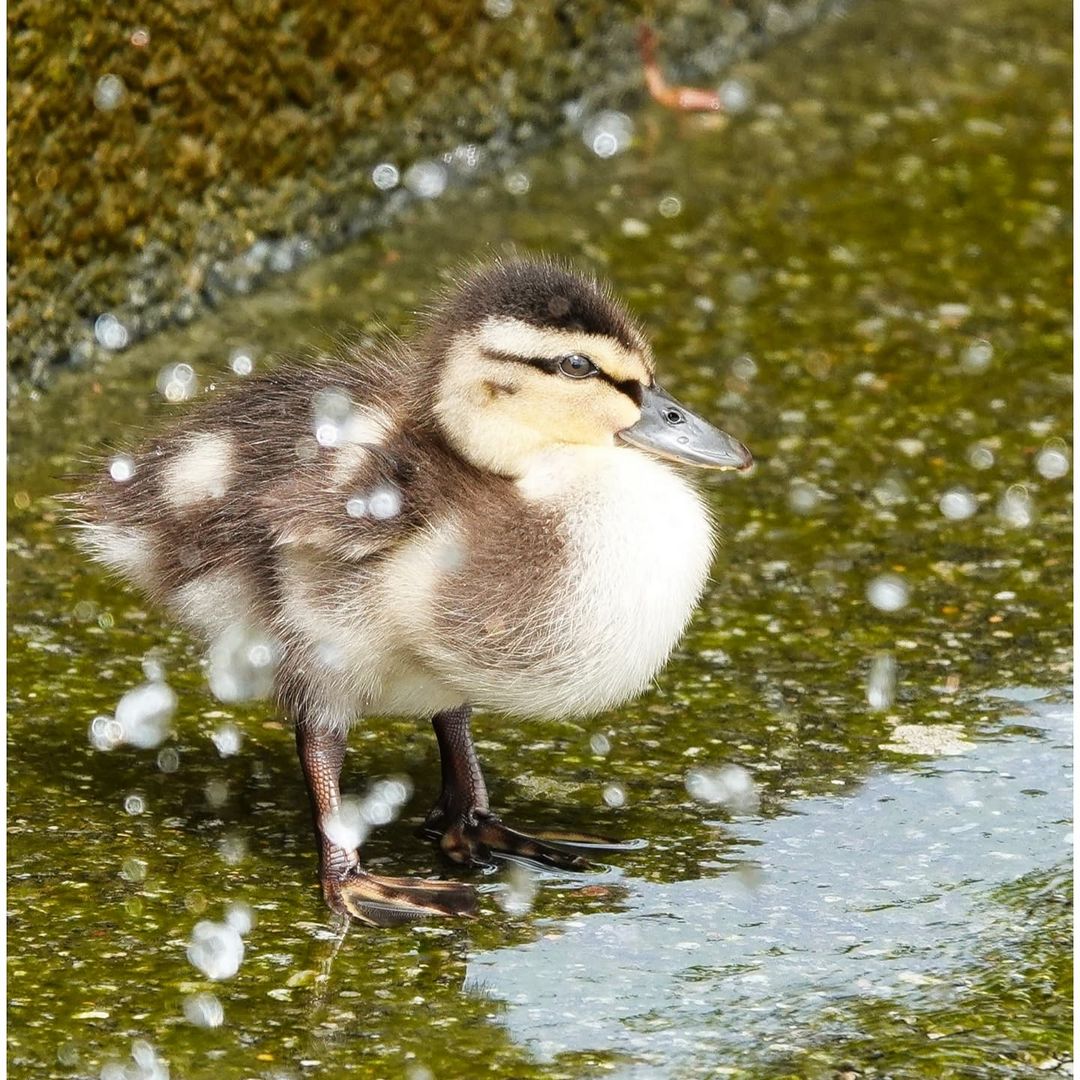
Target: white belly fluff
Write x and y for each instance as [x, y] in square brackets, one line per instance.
[640, 550]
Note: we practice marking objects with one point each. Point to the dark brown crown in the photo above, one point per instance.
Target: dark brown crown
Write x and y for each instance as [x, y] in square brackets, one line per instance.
[543, 293]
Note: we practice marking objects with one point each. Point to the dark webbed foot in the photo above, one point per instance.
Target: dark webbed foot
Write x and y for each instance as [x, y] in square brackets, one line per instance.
[392, 901]
[478, 838]
[466, 829]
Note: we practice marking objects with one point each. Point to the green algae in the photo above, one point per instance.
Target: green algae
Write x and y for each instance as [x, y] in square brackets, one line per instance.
[899, 193]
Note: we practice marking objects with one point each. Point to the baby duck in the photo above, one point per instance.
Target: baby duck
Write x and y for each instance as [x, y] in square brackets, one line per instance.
[486, 517]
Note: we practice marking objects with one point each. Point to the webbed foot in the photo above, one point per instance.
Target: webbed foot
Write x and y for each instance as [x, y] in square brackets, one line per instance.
[392, 901]
[478, 837]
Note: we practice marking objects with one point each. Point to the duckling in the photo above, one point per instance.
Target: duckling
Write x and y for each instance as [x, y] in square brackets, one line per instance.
[487, 517]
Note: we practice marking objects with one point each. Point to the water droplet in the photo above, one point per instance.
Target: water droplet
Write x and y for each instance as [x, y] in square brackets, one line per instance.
[888, 592]
[976, 357]
[216, 949]
[670, 206]
[1052, 461]
[803, 497]
[498, 9]
[241, 665]
[385, 176]
[980, 456]
[736, 96]
[881, 684]
[600, 745]
[228, 739]
[122, 468]
[519, 896]
[330, 411]
[1015, 507]
[242, 361]
[232, 849]
[134, 870]
[731, 786]
[517, 183]
[110, 332]
[168, 760]
[384, 503]
[958, 504]
[204, 1010]
[140, 38]
[177, 382]
[634, 228]
[216, 794]
[144, 714]
[615, 795]
[109, 91]
[134, 804]
[427, 179]
[608, 133]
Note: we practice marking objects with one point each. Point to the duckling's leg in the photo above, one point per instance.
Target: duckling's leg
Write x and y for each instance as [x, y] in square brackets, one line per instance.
[467, 830]
[348, 889]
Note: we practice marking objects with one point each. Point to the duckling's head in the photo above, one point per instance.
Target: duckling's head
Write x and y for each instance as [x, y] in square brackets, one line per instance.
[531, 355]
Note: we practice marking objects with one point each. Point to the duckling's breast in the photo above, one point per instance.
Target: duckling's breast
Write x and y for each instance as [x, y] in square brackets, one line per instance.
[566, 595]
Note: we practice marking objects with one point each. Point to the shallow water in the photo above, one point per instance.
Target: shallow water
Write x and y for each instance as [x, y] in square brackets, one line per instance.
[866, 277]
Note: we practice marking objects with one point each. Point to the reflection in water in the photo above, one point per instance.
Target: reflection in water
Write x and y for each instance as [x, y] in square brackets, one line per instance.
[714, 970]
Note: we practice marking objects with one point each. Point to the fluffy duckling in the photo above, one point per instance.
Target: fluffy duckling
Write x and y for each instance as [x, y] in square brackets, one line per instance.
[486, 517]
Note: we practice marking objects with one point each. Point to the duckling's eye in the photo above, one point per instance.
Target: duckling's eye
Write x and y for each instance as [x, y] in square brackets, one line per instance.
[577, 366]
[673, 417]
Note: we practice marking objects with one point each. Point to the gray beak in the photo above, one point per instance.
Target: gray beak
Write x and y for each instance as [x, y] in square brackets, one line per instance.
[672, 431]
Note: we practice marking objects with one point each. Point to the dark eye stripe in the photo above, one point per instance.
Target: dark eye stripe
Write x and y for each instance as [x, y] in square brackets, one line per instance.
[550, 365]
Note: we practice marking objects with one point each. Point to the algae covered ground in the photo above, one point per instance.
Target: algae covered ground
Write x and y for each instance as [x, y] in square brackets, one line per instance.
[854, 776]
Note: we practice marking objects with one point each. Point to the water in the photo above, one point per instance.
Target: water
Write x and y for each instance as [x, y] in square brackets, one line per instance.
[816, 272]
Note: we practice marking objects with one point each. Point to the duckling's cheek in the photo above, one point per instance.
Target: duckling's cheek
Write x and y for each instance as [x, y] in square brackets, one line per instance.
[201, 470]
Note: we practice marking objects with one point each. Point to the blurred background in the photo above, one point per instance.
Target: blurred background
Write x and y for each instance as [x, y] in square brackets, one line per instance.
[854, 776]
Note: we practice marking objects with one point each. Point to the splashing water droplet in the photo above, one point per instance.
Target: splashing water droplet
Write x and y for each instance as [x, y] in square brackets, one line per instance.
[1015, 507]
[736, 96]
[384, 503]
[241, 665]
[1052, 461]
[888, 592]
[110, 332]
[168, 760]
[144, 714]
[600, 745]
[385, 176]
[426, 179]
[731, 786]
[109, 92]
[608, 133]
[881, 684]
[242, 361]
[519, 896]
[122, 468]
[980, 456]
[976, 357]
[133, 870]
[958, 504]
[330, 411]
[204, 1010]
[517, 183]
[177, 382]
[227, 738]
[615, 795]
[134, 804]
[216, 949]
